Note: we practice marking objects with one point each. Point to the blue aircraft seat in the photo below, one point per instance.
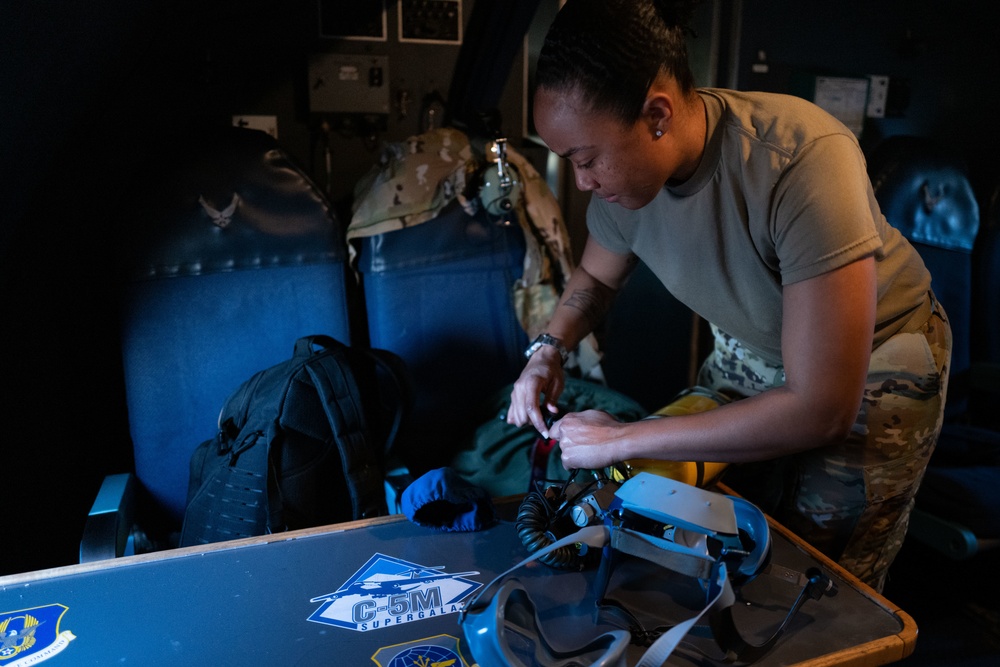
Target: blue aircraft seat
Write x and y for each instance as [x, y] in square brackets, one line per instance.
[440, 295]
[924, 192]
[230, 254]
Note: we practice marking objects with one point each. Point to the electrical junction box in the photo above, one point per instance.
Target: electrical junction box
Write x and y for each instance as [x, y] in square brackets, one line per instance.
[349, 84]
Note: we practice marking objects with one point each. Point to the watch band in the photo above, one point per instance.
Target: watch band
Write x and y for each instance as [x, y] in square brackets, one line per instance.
[546, 339]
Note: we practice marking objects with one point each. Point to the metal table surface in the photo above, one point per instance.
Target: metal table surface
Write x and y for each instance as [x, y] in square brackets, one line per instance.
[388, 592]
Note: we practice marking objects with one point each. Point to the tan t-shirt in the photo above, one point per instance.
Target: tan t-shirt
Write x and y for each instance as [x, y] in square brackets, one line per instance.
[781, 195]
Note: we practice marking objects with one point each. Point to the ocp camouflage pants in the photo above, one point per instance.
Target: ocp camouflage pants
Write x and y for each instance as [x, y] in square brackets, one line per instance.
[851, 501]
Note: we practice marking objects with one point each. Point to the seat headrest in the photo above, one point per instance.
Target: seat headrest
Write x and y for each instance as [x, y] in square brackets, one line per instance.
[925, 193]
[228, 200]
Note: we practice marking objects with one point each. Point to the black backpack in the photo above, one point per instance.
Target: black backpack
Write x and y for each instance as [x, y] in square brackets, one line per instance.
[301, 444]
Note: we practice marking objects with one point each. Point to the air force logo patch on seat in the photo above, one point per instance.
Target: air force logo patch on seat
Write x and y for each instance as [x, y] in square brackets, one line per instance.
[31, 636]
[388, 591]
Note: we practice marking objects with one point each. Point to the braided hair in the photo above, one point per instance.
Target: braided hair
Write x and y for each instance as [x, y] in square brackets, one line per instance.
[613, 50]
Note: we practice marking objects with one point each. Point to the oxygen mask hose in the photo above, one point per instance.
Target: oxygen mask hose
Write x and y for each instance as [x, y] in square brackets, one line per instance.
[553, 509]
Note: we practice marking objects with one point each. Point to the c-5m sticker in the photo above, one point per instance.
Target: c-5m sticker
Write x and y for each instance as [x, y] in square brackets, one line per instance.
[388, 591]
[31, 636]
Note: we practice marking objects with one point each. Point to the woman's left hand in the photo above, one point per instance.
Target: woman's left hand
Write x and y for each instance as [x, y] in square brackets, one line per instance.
[590, 439]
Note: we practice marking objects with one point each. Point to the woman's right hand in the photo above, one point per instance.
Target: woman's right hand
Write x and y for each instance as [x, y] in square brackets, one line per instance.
[543, 375]
[585, 301]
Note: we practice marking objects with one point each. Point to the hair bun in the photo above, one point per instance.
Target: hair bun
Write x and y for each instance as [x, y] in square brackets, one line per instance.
[676, 13]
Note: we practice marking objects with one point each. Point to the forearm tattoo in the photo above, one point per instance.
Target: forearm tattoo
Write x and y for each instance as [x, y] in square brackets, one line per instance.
[593, 303]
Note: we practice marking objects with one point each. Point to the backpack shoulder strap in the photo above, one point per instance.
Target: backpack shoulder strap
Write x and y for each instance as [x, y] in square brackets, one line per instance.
[342, 402]
[401, 386]
[392, 365]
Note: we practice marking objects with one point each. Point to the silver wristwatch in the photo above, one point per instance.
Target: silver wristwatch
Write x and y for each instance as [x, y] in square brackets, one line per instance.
[546, 339]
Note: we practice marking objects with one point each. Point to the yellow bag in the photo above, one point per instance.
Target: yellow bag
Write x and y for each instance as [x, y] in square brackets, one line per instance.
[696, 473]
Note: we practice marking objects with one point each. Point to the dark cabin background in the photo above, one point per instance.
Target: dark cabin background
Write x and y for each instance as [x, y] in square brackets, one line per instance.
[84, 87]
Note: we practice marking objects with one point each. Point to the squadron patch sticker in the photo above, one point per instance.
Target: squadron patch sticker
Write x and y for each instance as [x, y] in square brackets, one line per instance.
[31, 636]
[388, 591]
[439, 651]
